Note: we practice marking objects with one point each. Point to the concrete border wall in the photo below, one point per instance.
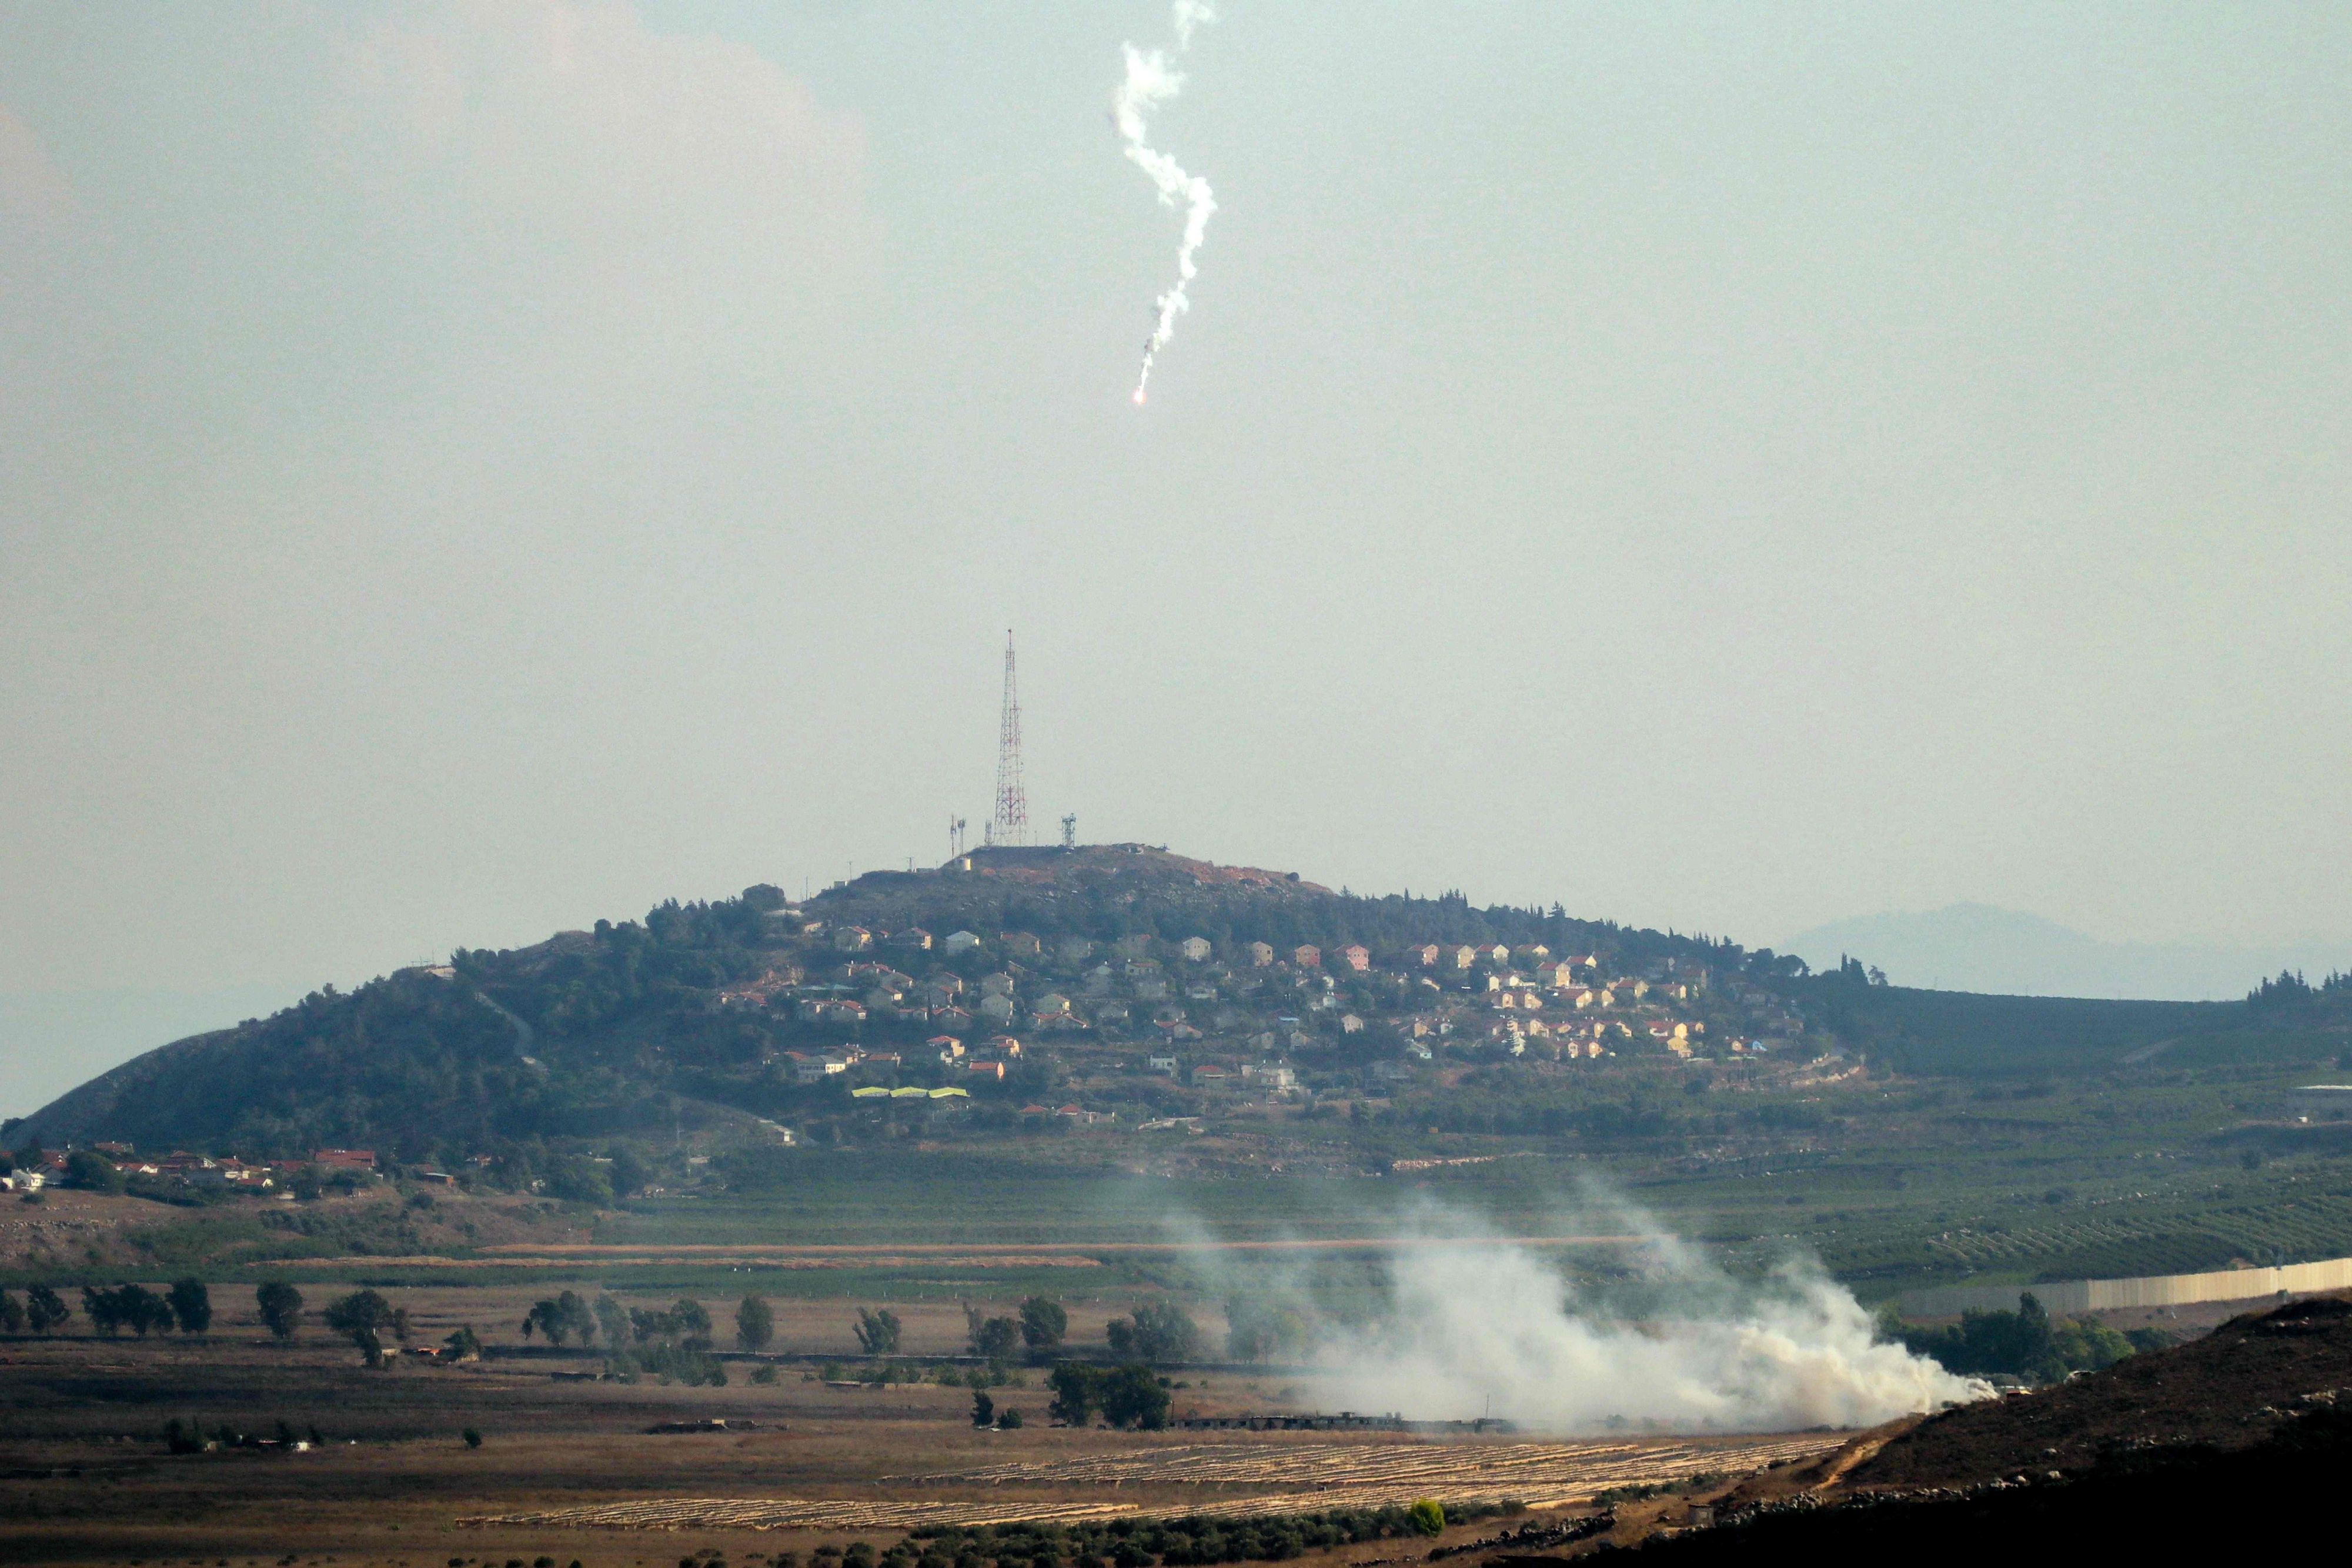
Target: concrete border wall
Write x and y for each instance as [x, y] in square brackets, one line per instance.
[2069, 1296]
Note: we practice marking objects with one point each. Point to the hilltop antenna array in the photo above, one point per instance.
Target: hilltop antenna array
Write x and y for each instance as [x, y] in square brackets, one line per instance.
[1010, 823]
[955, 838]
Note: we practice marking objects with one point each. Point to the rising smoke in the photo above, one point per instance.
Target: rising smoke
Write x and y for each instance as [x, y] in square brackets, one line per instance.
[1467, 1324]
[1150, 79]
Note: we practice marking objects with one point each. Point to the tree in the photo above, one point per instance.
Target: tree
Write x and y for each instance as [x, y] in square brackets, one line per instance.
[629, 1171]
[280, 1306]
[1427, 1516]
[559, 1318]
[364, 1318]
[462, 1345]
[1042, 1323]
[575, 1178]
[693, 1323]
[134, 1307]
[1157, 1333]
[614, 1319]
[12, 1315]
[1075, 1393]
[984, 1408]
[1132, 1397]
[1258, 1331]
[877, 1333]
[992, 1338]
[44, 1309]
[191, 1303]
[91, 1172]
[755, 1324]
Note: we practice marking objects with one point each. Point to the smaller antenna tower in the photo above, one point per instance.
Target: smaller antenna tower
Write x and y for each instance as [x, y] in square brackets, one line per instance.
[955, 838]
[1070, 830]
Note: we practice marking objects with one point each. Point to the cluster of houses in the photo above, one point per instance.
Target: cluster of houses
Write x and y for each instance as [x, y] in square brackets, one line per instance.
[1192, 997]
[226, 1172]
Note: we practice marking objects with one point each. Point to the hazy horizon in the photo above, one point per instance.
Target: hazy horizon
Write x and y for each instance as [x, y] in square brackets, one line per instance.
[468, 469]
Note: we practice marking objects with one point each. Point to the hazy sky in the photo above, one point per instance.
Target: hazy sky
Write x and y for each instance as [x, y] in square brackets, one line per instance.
[470, 468]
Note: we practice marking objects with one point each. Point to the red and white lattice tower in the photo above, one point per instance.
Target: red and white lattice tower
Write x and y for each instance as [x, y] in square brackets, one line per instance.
[1010, 823]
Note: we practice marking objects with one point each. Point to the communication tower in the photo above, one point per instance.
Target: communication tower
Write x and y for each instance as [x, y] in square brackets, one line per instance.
[955, 838]
[1010, 823]
[1070, 830]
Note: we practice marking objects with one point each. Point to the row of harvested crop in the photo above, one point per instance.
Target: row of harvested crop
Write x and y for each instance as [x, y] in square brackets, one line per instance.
[1174, 1543]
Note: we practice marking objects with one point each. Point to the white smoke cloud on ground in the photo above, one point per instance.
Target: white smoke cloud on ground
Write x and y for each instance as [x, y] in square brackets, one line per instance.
[1150, 81]
[1470, 1324]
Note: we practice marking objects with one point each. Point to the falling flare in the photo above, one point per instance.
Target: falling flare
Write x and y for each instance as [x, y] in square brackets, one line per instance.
[1149, 81]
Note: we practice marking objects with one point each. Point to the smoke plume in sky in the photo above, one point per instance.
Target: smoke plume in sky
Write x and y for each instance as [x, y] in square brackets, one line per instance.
[1150, 81]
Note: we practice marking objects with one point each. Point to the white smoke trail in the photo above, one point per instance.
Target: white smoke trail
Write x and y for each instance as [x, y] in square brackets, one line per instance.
[1471, 1325]
[1150, 81]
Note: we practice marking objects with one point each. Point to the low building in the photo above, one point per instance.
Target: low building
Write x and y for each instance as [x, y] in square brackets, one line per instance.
[1259, 954]
[1418, 956]
[1021, 944]
[852, 940]
[1351, 1024]
[1161, 1065]
[913, 939]
[342, 1159]
[1306, 956]
[813, 1069]
[1196, 949]
[958, 943]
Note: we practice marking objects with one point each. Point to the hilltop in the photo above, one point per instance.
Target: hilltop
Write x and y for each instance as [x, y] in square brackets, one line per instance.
[711, 1012]
[921, 1049]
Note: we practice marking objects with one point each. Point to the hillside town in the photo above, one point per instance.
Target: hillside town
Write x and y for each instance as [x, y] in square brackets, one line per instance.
[1187, 1026]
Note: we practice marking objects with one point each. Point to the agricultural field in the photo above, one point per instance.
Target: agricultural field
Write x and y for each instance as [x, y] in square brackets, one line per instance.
[572, 1470]
[1907, 1182]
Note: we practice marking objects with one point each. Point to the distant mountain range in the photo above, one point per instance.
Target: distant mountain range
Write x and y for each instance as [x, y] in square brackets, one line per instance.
[1976, 947]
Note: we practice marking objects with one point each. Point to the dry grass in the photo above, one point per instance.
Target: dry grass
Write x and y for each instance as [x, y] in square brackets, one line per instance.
[1335, 1474]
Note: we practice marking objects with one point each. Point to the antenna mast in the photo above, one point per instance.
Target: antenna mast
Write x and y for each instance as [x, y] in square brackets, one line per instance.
[1010, 823]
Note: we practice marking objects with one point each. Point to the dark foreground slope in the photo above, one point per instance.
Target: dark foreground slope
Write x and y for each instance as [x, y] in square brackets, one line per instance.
[2223, 1442]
